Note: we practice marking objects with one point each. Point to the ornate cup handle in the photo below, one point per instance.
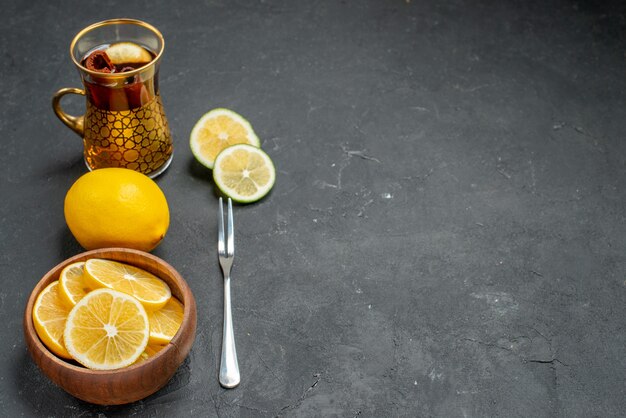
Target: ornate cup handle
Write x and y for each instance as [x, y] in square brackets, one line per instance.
[75, 123]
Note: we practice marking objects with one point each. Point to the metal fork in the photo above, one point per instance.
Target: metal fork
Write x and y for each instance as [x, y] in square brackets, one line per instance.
[229, 368]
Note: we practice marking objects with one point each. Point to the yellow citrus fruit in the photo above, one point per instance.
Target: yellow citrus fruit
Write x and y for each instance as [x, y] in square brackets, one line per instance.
[72, 286]
[244, 173]
[49, 316]
[217, 130]
[152, 292]
[128, 53]
[165, 322]
[150, 351]
[106, 330]
[116, 207]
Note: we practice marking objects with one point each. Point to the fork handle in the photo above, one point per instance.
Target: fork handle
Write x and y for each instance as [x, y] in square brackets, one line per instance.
[229, 368]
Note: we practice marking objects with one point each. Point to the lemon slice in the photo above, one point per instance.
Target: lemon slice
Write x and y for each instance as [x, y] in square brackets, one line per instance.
[244, 173]
[49, 316]
[151, 291]
[107, 330]
[128, 53]
[217, 130]
[165, 322]
[72, 286]
[150, 351]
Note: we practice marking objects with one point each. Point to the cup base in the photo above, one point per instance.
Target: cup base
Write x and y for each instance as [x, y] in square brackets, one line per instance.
[152, 174]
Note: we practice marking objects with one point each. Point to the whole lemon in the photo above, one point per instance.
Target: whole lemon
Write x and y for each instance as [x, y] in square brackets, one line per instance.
[116, 207]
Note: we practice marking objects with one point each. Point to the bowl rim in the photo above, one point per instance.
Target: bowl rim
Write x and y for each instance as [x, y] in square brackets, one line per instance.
[49, 277]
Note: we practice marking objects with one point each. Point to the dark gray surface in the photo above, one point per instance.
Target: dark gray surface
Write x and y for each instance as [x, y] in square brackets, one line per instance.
[446, 233]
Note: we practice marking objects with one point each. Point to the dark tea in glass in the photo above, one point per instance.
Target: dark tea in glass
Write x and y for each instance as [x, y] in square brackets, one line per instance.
[133, 93]
[124, 124]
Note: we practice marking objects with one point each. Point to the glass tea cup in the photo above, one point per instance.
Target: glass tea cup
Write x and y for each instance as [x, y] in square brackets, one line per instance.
[124, 124]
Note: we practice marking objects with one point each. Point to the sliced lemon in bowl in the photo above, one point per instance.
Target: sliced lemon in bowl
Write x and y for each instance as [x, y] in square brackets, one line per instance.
[244, 173]
[151, 350]
[72, 286]
[152, 292]
[49, 317]
[218, 129]
[107, 330]
[165, 322]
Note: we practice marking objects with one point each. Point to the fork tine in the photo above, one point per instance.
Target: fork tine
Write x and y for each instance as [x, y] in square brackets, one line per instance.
[220, 229]
[231, 235]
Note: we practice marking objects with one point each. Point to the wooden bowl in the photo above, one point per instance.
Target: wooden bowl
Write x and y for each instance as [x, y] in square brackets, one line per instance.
[114, 387]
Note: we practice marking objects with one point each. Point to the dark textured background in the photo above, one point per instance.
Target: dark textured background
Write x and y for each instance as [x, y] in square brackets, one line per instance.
[446, 234]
